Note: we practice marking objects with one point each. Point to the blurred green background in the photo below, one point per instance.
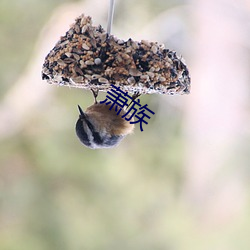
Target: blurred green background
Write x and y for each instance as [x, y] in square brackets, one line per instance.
[182, 183]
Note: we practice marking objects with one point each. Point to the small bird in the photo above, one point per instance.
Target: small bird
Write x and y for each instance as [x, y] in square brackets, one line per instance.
[99, 127]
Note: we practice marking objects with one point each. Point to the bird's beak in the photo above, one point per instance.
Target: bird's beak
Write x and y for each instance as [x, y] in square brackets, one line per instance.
[82, 115]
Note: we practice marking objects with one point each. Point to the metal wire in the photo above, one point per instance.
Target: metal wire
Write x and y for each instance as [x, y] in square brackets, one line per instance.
[110, 15]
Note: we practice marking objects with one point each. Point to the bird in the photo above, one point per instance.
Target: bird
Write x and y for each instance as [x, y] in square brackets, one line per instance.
[99, 127]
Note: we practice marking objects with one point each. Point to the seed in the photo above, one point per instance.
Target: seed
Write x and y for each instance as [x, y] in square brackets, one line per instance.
[69, 60]
[91, 33]
[145, 42]
[61, 62]
[119, 58]
[120, 42]
[103, 80]
[77, 79]
[131, 80]
[103, 37]
[68, 54]
[77, 57]
[95, 76]
[150, 74]
[64, 43]
[88, 77]
[154, 49]
[134, 72]
[82, 63]
[78, 51]
[77, 29]
[134, 45]
[85, 46]
[126, 56]
[70, 32]
[93, 42]
[98, 61]
[144, 78]
[87, 71]
[128, 50]
[84, 29]
[78, 70]
[88, 62]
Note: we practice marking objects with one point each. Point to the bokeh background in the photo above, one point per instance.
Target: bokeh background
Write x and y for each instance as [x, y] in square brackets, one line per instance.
[181, 184]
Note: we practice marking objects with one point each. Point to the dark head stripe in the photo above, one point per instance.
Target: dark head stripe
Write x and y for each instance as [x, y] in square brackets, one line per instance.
[96, 135]
[82, 135]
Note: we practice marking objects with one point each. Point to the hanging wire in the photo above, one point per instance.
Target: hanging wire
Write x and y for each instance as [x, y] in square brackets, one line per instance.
[110, 15]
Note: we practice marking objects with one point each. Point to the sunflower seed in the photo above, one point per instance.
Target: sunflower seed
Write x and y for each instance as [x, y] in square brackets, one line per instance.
[77, 57]
[154, 49]
[64, 43]
[147, 43]
[84, 29]
[77, 29]
[144, 78]
[61, 62]
[88, 62]
[85, 46]
[131, 80]
[95, 76]
[77, 79]
[78, 70]
[69, 60]
[150, 74]
[103, 80]
[134, 72]
[68, 54]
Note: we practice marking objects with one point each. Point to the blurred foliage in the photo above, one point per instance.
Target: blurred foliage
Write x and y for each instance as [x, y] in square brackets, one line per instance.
[20, 24]
[56, 194]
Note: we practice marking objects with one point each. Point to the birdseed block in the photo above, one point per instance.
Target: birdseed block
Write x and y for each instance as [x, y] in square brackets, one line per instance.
[88, 57]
